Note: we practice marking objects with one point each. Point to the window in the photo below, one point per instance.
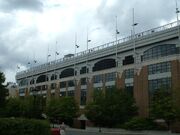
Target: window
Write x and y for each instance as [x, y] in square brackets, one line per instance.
[83, 97]
[98, 78]
[83, 70]
[110, 76]
[42, 78]
[62, 84]
[159, 83]
[83, 81]
[128, 60]
[159, 68]
[70, 83]
[71, 93]
[129, 73]
[53, 85]
[160, 51]
[67, 73]
[21, 91]
[62, 93]
[129, 88]
[104, 64]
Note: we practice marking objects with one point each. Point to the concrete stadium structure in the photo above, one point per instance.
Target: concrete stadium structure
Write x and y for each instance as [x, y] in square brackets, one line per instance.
[141, 63]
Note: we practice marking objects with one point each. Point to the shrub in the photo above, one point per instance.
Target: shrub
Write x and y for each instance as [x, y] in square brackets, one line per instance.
[137, 123]
[17, 126]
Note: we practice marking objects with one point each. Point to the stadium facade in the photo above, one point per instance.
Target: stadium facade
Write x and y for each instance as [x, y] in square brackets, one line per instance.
[140, 63]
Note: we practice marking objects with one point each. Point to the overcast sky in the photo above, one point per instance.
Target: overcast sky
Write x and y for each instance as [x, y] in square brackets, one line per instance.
[28, 27]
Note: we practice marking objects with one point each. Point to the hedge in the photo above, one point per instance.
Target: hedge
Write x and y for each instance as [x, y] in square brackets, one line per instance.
[19, 126]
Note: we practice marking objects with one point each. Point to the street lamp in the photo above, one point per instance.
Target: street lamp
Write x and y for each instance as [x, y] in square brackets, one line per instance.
[75, 48]
[116, 33]
[134, 42]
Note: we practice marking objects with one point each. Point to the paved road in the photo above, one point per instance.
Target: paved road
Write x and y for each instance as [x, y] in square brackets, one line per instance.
[94, 131]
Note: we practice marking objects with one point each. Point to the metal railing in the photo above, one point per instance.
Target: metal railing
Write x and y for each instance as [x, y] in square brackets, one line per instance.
[91, 50]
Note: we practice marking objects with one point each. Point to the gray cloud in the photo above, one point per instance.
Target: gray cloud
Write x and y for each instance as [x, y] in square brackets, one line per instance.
[18, 45]
[10, 5]
[148, 14]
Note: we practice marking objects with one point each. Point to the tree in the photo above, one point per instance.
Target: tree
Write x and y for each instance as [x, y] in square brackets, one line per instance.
[63, 109]
[3, 93]
[111, 107]
[29, 107]
[162, 106]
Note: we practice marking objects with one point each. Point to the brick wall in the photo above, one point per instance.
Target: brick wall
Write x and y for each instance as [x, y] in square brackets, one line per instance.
[141, 92]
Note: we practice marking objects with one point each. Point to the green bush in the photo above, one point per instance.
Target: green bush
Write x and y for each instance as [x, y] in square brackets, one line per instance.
[17, 126]
[140, 124]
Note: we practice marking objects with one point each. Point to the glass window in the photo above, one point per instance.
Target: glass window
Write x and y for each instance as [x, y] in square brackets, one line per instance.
[110, 76]
[159, 68]
[159, 83]
[159, 51]
[98, 78]
[83, 81]
[129, 88]
[62, 84]
[21, 91]
[129, 73]
[71, 93]
[53, 85]
[62, 93]
[70, 83]
[83, 97]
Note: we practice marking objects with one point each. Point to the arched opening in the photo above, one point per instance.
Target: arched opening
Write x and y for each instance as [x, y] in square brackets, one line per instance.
[104, 64]
[42, 78]
[67, 73]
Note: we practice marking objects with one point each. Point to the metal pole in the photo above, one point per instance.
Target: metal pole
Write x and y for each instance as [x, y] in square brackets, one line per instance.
[116, 33]
[177, 15]
[74, 57]
[134, 42]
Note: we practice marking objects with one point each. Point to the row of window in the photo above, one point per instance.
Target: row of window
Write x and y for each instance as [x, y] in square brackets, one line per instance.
[159, 68]
[160, 51]
[108, 77]
[129, 73]
[159, 83]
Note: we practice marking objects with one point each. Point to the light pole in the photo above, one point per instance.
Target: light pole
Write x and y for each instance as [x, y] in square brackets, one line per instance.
[75, 48]
[178, 26]
[134, 42]
[88, 40]
[46, 78]
[116, 33]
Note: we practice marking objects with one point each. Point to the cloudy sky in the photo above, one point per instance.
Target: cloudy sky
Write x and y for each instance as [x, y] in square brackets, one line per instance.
[28, 27]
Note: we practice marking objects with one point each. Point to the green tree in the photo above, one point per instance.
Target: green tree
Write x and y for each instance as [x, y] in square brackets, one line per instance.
[111, 107]
[3, 93]
[29, 107]
[162, 106]
[63, 109]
